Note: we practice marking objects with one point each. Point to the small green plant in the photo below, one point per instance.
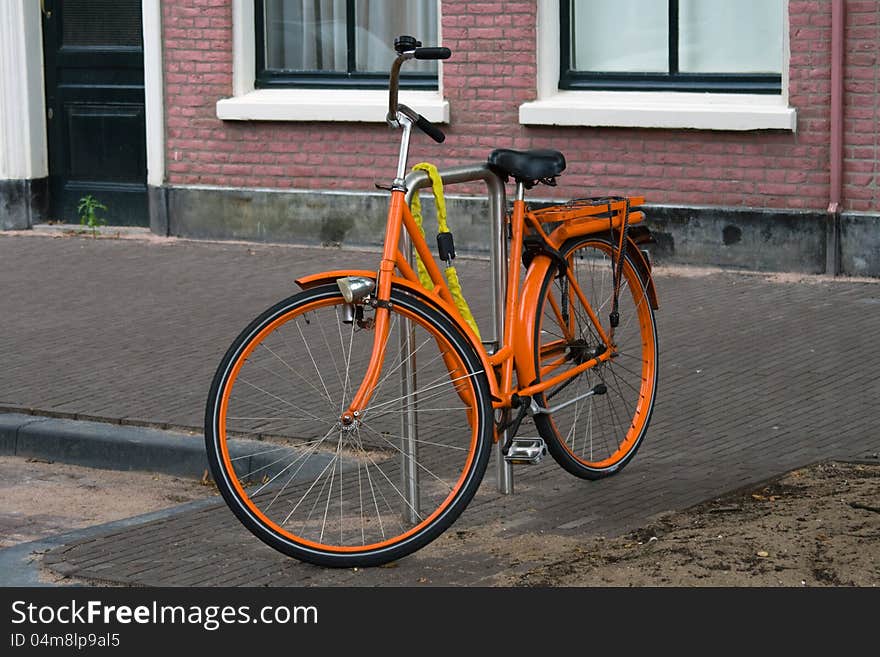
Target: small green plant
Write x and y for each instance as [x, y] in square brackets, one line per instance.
[87, 209]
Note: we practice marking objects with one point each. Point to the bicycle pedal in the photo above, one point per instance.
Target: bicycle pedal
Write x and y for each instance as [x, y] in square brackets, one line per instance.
[526, 451]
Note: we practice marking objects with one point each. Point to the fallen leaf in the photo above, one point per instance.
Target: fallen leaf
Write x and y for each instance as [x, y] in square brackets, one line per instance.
[763, 553]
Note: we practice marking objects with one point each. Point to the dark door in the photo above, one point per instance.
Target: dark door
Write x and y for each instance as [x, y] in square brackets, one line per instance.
[95, 108]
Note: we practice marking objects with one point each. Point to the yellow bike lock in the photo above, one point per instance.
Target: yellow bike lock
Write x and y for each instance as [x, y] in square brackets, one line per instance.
[444, 243]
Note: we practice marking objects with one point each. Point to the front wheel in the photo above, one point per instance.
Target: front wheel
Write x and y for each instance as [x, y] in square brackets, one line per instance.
[357, 494]
[595, 435]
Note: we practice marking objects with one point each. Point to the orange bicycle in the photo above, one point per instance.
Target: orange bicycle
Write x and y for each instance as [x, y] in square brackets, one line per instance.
[351, 423]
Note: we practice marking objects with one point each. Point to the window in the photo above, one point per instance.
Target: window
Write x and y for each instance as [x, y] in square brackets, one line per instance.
[617, 69]
[340, 43]
[290, 65]
[672, 45]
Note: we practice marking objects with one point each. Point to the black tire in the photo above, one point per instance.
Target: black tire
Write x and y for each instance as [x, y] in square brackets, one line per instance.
[616, 422]
[465, 452]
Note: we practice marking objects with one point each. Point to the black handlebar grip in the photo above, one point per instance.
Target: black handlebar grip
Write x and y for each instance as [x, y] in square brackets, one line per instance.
[432, 53]
[430, 129]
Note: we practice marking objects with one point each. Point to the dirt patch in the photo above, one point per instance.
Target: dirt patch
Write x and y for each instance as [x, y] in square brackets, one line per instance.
[816, 526]
[41, 498]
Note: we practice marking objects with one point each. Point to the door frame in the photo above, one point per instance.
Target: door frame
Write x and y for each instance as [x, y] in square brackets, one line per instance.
[154, 103]
[154, 96]
[24, 166]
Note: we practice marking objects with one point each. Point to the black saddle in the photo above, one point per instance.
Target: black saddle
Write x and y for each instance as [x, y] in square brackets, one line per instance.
[541, 165]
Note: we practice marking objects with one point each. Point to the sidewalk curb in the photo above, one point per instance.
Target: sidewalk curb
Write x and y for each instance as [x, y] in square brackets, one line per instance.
[102, 445]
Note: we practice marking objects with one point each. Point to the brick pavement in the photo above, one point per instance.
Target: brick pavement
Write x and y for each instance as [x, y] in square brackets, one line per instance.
[758, 376]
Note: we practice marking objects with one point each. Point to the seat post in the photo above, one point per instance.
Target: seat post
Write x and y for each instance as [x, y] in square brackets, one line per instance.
[520, 191]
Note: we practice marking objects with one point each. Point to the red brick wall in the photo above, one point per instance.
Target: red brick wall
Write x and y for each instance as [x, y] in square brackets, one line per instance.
[492, 72]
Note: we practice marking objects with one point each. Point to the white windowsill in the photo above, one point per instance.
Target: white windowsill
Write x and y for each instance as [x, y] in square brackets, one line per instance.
[634, 109]
[359, 105]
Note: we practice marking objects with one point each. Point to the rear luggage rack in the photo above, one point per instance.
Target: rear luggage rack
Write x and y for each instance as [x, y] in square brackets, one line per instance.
[597, 207]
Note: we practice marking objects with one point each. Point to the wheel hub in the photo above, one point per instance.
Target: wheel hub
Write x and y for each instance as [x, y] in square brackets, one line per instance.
[580, 351]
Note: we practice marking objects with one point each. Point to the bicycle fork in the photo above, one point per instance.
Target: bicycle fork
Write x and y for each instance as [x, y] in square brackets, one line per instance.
[381, 301]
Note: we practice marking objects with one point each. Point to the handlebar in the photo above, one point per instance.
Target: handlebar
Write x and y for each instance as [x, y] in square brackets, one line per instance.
[430, 129]
[432, 53]
[413, 51]
[422, 123]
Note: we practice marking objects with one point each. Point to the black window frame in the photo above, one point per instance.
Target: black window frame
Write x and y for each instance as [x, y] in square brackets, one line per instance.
[674, 80]
[350, 79]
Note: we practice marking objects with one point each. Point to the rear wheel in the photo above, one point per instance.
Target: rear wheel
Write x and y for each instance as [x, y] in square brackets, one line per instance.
[595, 435]
[348, 495]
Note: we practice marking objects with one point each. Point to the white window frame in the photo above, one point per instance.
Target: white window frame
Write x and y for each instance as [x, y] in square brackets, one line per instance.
[356, 105]
[648, 109]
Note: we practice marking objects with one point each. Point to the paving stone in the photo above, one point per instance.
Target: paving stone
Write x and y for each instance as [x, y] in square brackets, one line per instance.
[757, 377]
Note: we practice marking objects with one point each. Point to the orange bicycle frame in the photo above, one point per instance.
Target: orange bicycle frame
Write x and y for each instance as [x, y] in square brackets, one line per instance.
[516, 356]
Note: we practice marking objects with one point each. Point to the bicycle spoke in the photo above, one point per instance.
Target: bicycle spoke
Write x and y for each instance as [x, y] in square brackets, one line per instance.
[267, 451]
[330, 490]
[330, 352]
[417, 392]
[287, 365]
[396, 490]
[411, 404]
[283, 401]
[306, 455]
[375, 501]
[420, 441]
[361, 506]
[269, 465]
[290, 418]
[618, 425]
[410, 357]
[376, 487]
[312, 358]
[341, 523]
[633, 356]
[397, 358]
[305, 522]
[347, 359]
[415, 404]
[304, 495]
[392, 513]
[590, 430]
[626, 383]
[395, 447]
[573, 431]
[253, 402]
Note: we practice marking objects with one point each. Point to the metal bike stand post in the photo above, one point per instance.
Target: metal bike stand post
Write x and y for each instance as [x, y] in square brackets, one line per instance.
[498, 255]
[409, 429]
